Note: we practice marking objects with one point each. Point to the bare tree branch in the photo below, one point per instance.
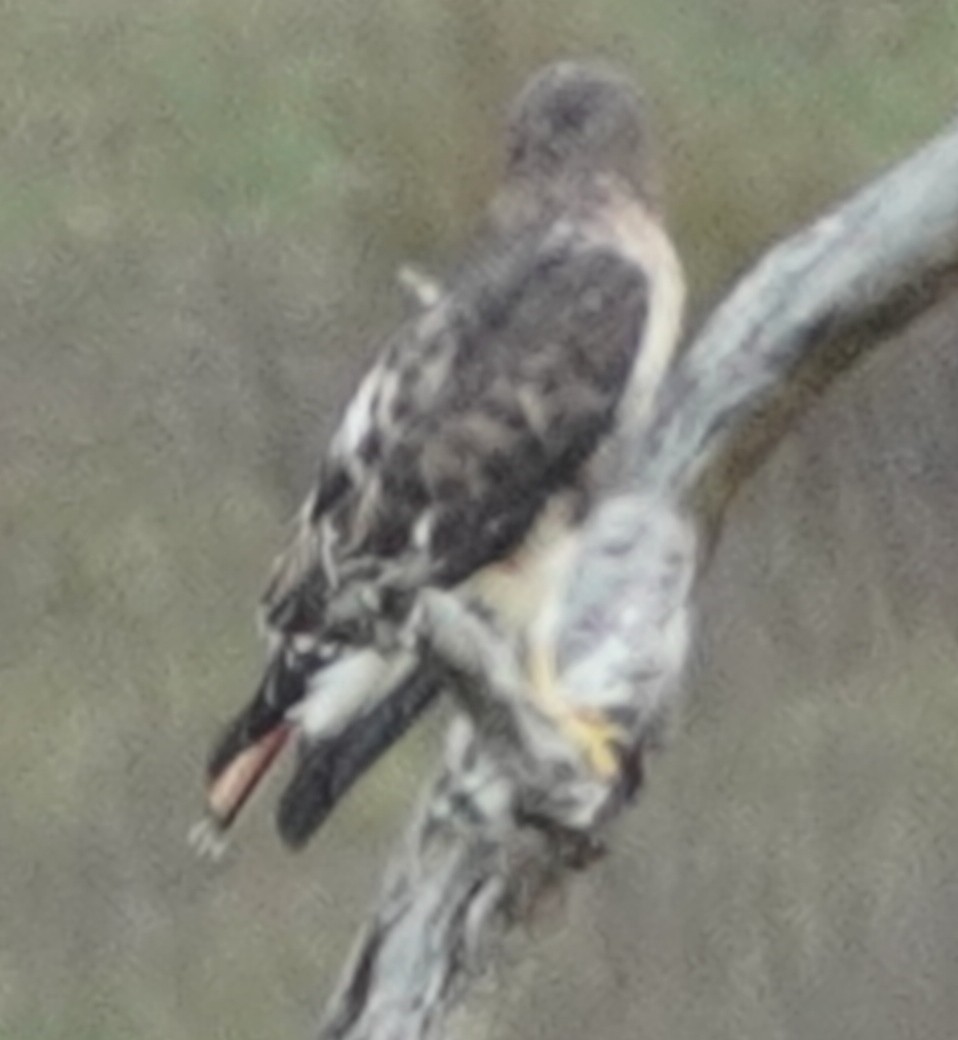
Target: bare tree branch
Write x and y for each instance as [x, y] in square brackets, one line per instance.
[801, 317]
[512, 812]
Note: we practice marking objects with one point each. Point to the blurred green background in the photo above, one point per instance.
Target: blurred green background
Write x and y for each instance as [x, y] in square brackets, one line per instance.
[202, 205]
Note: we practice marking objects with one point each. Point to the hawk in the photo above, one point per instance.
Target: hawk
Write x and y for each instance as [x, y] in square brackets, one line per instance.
[471, 451]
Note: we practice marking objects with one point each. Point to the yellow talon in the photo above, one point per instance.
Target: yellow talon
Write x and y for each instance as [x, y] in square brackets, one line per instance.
[586, 728]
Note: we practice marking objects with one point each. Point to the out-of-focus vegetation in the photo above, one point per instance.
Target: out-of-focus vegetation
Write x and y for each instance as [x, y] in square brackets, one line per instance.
[202, 203]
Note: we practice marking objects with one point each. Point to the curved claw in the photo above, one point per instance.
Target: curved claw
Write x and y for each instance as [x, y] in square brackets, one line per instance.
[595, 737]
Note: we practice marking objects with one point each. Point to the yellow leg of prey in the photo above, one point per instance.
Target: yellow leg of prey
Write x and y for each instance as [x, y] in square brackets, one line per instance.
[585, 728]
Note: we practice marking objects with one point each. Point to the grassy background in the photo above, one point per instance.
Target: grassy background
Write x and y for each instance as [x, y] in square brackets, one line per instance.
[202, 204]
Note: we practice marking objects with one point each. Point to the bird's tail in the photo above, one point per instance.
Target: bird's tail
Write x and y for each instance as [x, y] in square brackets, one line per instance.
[326, 769]
[329, 760]
[251, 741]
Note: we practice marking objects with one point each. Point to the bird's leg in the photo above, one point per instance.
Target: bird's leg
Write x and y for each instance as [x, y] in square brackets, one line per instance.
[471, 648]
[528, 701]
[587, 729]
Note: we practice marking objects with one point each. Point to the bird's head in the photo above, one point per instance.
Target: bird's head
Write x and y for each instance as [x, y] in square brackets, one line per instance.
[573, 120]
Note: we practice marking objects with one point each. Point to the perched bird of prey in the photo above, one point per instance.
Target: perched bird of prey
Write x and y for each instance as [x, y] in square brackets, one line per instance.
[469, 454]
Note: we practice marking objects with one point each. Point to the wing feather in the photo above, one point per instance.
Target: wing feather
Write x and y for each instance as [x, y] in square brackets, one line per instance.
[474, 416]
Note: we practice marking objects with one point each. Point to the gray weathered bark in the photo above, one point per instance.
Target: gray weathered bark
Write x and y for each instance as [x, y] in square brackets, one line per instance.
[512, 811]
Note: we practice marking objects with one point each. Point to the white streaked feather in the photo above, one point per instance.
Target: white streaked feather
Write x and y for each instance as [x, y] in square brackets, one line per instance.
[422, 529]
[388, 392]
[327, 541]
[348, 688]
[359, 419]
